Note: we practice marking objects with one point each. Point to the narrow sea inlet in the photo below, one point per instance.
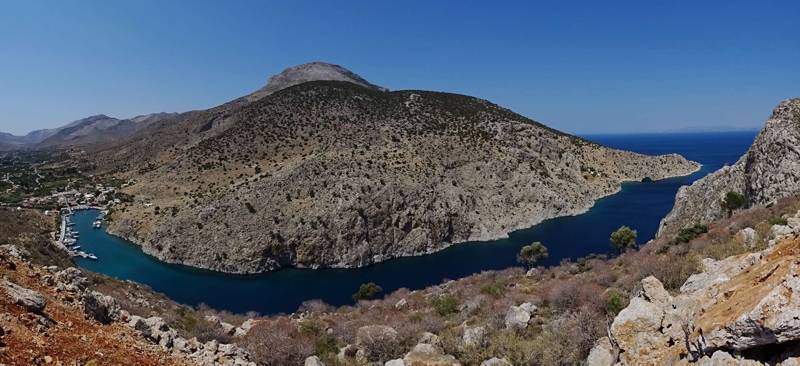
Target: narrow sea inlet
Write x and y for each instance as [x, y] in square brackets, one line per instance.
[640, 205]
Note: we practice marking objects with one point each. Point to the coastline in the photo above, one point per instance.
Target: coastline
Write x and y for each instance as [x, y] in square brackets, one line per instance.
[475, 237]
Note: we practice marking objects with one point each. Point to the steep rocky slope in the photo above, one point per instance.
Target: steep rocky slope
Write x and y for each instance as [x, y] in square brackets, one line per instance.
[42, 321]
[768, 171]
[332, 173]
[53, 313]
[742, 310]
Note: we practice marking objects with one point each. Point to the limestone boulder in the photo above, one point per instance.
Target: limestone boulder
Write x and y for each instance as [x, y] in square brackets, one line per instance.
[30, 300]
[427, 355]
[517, 318]
[602, 354]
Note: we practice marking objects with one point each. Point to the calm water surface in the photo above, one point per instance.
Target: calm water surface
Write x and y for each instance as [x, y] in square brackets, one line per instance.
[639, 205]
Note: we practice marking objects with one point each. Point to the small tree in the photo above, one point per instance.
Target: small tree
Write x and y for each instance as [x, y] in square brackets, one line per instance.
[367, 291]
[532, 253]
[733, 201]
[623, 239]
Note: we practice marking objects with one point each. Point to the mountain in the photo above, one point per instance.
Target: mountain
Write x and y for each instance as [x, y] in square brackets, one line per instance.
[93, 131]
[344, 174]
[313, 71]
[768, 171]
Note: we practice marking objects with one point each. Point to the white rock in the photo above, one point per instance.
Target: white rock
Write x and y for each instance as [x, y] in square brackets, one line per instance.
[494, 361]
[313, 361]
[602, 354]
[748, 236]
[401, 304]
[530, 308]
[395, 362]
[517, 318]
[780, 231]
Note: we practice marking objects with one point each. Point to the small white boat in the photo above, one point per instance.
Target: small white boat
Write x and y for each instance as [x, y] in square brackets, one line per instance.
[92, 257]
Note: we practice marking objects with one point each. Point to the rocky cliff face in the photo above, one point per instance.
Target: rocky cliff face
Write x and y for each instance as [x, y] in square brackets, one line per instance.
[340, 175]
[742, 310]
[768, 171]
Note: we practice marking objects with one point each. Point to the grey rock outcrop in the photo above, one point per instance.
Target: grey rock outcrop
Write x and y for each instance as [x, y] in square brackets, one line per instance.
[770, 170]
[30, 300]
[100, 307]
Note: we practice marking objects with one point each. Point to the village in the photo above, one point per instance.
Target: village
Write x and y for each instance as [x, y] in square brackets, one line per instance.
[40, 181]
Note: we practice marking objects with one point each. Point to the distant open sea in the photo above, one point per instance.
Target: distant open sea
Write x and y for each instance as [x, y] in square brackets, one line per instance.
[638, 205]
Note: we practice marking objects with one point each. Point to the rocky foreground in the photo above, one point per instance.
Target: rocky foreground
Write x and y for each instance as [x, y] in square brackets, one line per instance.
[770, 170]
[50, 316]
[345, 174]
[742, 310]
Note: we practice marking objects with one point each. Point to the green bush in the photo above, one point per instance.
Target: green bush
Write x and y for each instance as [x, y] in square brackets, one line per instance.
[777, 220]
[367, 291]
[615, 301]
[687, 234]
[445, 305]
[733, 201]
[495, 289]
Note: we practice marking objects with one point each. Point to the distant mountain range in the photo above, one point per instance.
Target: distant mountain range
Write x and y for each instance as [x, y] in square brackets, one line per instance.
[97, 129]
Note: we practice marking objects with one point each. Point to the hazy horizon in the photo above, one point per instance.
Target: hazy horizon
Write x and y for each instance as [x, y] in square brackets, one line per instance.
[593, 68]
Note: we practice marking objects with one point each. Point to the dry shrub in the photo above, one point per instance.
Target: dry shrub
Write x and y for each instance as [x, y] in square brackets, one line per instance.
[575, 293]
[315, 306]
[278, 342]
[382, 348]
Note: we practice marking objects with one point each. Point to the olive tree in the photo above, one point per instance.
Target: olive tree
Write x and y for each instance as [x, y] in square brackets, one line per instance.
[532, 253]
[623, 239]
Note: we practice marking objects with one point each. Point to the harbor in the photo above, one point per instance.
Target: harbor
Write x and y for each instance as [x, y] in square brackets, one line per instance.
[68, 237]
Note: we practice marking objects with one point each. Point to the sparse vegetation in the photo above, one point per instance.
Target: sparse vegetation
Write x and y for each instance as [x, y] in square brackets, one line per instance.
[445, 305]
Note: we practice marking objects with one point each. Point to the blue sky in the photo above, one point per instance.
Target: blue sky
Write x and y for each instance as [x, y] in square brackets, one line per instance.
[582, 67]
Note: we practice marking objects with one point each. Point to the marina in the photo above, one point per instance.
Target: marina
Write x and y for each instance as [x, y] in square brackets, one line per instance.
[67, 239]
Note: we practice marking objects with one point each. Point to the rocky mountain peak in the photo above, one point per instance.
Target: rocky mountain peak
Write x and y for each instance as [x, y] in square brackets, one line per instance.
[312, 71]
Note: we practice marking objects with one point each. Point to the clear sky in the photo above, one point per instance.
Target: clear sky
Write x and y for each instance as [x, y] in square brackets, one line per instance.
[582, 67]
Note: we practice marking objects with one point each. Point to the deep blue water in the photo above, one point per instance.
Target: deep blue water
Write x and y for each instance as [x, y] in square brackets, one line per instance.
[639, 205]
